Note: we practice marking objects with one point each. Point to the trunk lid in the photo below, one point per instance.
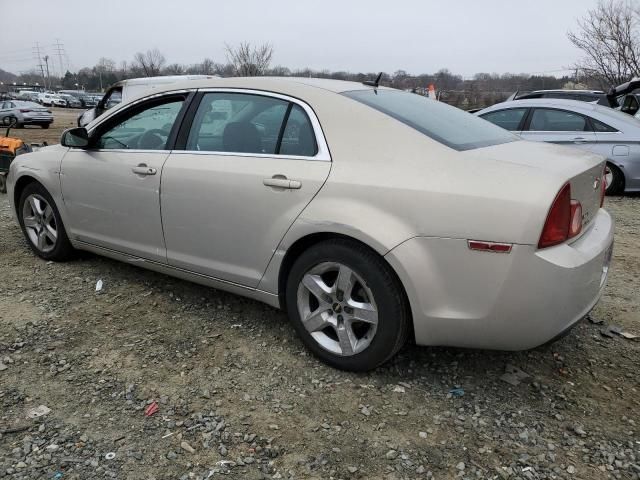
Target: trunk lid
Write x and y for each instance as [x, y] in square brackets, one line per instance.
[586, 187]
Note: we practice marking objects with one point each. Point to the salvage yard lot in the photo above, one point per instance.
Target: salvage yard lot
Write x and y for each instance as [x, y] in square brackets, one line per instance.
[239, 395]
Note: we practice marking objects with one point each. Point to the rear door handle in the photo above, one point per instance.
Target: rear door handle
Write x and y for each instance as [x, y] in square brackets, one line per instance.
[280, 181]
[143, 169]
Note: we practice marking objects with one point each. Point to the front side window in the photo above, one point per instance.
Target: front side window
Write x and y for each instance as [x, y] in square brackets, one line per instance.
[247, 123]
[549, 120]
[508, 119]
[443, 123]
[148, 129]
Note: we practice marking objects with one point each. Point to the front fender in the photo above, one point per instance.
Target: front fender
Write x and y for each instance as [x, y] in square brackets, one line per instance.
[42, 166]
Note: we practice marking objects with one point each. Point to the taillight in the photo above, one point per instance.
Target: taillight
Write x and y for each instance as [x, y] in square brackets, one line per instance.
[24, 110]
[556, 227]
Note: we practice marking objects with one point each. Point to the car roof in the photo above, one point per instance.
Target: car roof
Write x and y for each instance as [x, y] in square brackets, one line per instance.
[563, 90]
[605, 114]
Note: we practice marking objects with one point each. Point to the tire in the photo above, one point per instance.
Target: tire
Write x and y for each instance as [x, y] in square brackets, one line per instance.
[3, 183]
[33, 209]
[332, 330]
[616, 184]
[7, 121]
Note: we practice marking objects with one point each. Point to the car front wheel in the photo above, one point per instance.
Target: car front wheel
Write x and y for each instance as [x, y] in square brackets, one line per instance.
[41, 224]
[347, 305]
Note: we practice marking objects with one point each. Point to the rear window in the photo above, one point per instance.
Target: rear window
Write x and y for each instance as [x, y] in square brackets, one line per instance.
[441, 122]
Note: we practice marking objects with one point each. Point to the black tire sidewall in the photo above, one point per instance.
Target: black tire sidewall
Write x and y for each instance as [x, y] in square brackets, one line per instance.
[63, 249]
[389, 300]
[617, 185]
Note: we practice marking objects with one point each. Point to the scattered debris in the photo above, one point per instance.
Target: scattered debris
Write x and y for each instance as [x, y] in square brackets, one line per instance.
[595, 321]
[110, 456]
[14, 430]
[513, 375]
[610, 331]
[3, 366]
[456, 392]
[399, 389]
[38, 412]
[151, 409]
[236, 325]
[186, 447]
[99, 286]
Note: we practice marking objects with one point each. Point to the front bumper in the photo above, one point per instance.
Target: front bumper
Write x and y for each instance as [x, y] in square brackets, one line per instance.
[465, 298]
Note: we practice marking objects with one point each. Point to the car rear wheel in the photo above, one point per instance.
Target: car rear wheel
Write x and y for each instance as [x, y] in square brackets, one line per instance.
[347, 305]
[615, 180]
[41, 224]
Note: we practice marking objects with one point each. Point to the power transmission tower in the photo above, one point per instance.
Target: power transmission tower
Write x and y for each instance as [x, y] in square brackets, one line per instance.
[36, 52]
[59, 48]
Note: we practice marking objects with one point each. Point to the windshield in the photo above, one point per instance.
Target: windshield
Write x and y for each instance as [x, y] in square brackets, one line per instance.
[443, 123]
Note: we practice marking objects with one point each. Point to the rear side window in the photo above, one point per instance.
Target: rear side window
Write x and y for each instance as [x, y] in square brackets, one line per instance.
[443, 123]
[508, 119]
[248, 123]
[599, 126]
[550, 120]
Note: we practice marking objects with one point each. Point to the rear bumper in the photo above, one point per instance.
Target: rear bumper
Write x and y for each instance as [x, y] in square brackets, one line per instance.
[514, 301]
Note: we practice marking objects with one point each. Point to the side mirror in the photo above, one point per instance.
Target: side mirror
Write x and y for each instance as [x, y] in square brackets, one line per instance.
[75, 138]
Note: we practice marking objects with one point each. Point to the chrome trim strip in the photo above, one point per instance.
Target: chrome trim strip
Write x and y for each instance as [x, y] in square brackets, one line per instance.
[323, 148]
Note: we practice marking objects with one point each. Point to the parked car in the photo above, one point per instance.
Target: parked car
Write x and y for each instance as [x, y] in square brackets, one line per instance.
[51, 100]
[127, 89]
[383, 214]
[591, 127]
[597, 96]
[24, 113]
[71, 101]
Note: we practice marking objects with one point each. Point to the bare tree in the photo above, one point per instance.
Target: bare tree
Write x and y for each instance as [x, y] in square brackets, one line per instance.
[249, 61]
[608, 35]
[150, 63]
[174, 69]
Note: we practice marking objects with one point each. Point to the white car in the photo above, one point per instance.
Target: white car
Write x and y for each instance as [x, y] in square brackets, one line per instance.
[52, 100]
[370, 214]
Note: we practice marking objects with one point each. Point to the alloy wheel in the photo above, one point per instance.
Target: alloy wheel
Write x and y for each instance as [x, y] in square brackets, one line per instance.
[337, 308]
[40, 223]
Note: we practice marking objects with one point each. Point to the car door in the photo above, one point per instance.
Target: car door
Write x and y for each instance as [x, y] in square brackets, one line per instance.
[111, 189]
[251, 163]
[559, 126]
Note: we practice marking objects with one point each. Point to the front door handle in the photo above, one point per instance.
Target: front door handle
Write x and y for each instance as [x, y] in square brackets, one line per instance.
[143, 169]
[579, 140]
[280, 181]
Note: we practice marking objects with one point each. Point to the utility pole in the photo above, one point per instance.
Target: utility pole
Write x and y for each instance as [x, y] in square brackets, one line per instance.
[46, 62]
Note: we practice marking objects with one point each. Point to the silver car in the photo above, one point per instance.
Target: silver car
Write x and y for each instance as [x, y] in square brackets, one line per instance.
[24, 113]
[588, 126]
[369, 214]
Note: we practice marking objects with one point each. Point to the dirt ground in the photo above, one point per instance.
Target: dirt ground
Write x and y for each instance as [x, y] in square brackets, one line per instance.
[238, 396]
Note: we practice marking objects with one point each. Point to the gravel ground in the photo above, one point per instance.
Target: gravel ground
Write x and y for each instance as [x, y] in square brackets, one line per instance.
[237, 395]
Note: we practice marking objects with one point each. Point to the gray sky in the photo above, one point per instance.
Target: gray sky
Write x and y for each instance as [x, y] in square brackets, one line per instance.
[465, 36]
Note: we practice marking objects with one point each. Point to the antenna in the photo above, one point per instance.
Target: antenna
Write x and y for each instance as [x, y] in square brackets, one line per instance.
[375, 83]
